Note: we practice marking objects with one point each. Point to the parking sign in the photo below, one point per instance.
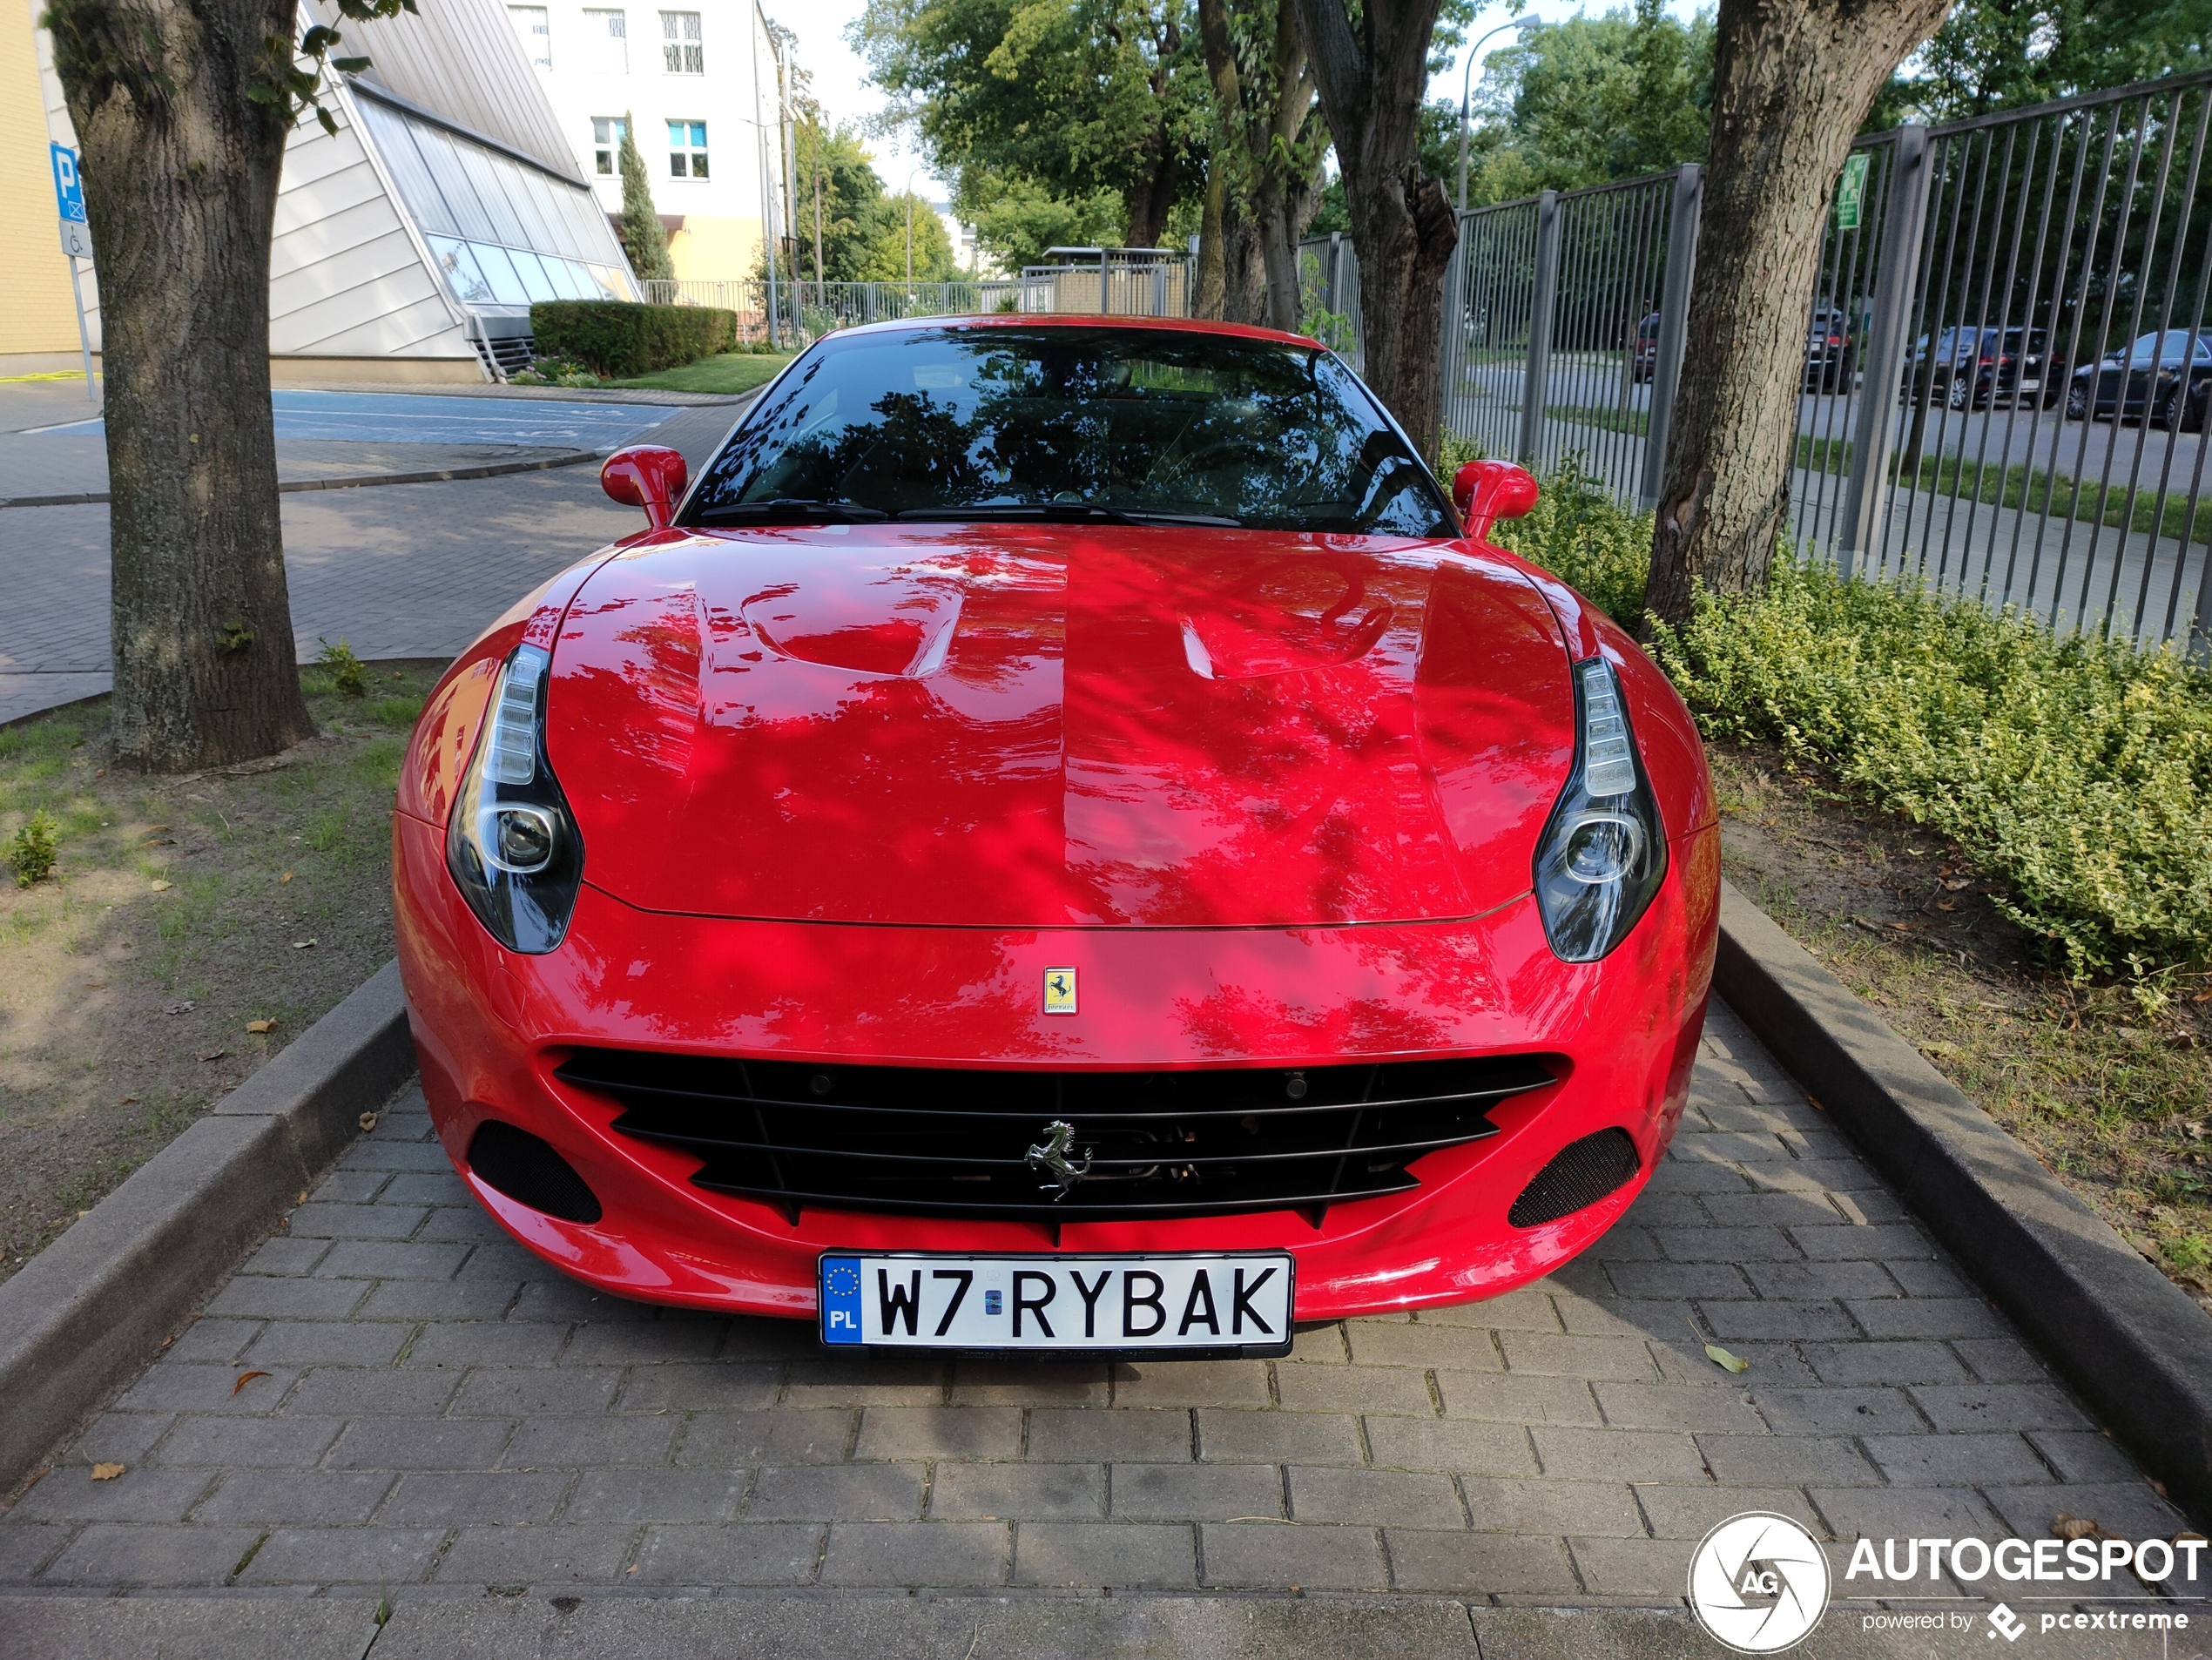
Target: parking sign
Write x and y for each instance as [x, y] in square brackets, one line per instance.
[1851, 192]
[69, 197]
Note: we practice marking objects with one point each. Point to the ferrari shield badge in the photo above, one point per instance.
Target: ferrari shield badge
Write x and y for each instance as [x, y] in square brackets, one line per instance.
[1059, 991]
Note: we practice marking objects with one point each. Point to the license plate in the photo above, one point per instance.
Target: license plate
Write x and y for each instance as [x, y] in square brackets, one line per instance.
[1192, 1305]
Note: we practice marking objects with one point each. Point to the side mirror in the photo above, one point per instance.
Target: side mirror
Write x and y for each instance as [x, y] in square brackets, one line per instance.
[650, 476]
[1486, 491]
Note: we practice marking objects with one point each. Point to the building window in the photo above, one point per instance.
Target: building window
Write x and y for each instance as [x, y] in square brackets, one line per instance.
[687, 149]
[680, 48]
[606, 142]
[536, 32]
[613, 28]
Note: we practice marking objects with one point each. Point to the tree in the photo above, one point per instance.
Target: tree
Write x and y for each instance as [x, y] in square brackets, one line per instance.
[1371, 73]
[1792, 80]
[182, 108]
[1992, 55]
[1055, 104]
[642, 237]
[1264, 174]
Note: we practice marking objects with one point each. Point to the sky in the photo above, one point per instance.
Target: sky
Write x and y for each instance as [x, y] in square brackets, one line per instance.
[841, 83]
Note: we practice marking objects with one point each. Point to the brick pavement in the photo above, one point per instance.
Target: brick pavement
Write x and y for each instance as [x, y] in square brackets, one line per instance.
[442, 1415]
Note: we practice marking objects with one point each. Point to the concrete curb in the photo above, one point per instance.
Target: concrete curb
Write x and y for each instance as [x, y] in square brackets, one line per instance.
[363, 481]
[2132, 1342]
[87, 1313]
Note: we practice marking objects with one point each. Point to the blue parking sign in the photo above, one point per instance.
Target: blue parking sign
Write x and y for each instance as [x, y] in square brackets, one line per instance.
[69, 188]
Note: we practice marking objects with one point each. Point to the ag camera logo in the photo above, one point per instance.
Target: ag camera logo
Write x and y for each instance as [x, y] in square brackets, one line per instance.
[1758, 1582]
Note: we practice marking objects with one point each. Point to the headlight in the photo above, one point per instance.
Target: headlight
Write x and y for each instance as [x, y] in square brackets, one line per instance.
[511, 844]
[1604, 851]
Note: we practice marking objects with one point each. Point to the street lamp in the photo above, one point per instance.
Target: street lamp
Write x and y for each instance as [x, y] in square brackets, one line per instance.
[909, 194]
[1466, 87]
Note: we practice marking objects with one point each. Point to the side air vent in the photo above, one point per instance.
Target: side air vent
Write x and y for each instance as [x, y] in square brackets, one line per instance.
[1580, 1173]
[528, 1171]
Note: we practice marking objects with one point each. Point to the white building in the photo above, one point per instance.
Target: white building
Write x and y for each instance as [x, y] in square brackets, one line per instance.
[700, 78]
[409, 246]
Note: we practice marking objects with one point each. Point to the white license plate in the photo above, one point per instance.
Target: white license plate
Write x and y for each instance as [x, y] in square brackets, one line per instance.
[1229, 1304]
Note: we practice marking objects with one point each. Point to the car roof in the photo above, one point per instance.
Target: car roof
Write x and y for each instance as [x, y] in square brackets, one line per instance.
[1065, 319]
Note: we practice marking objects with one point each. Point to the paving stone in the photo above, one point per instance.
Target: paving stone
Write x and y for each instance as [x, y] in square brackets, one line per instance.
[753, 1553]
[326, 1343]
[1551, 1507]
[1353, 1389]
[1477, 1564]
[420, 1444]
[255, 1297]
[371, 1392]
[406, 1187]
[1837, 1411]
[1141, 1434]
[564, 1443]
[1812, 1281]
[1675, 1279]
[656, 1496]
[463, 1223]
[720, 1387]
[1997, 1406]
[516, 1392]
[396, 1155]
[1616, 1454]
[1192, 1383]
[1235, 1437]
[1924, 1278]
[1461, 1348]
[1377, 1497]
[378, 1556]
[320, 1220]
[1872, 1244]
[1929, 1512]
[1529, 1309]
[247, 1443]
[441, 1300]
[884, 1383]
[1711, 1244]
[2000, 1360]
[69, 1494]
[2084, 1454]
[25, 1548]
[1929, 1317]
[1196, 1492]
[555, 1554]
[939, 1432]
[1328, 1345]
[1816, 1176]
[426, 1498]
[488, 1343]
[1313, 1558]
[286, 1255]
[1624, 1242]
[1649, 1405]
[307, 1497]
[757, 1340]
[917, 1552]
[1461, 1445]
[372, 1259]
[1517, 1397]
[1579, 1357]
[2127, 1509]
[1134, 1555]
[1004, 1492]
[119, 1438]
[1773, 1321]
[1884, 1362]
[546, 1296]
[1786, 1461]
[643, 1342]
[742, 1438]
[1692, 1512]
[364, 1187]
[1637, 1317]
[836, 1492]
[1964, 1460]
[1029, 1383]
[1657, 1568]
[110, 1553]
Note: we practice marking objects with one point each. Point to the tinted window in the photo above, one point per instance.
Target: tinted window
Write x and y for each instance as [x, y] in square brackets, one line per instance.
[990, 421]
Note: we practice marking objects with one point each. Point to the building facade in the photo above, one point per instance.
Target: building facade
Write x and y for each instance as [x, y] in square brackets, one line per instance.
[37, 322]
[701, 80]
[410, 245]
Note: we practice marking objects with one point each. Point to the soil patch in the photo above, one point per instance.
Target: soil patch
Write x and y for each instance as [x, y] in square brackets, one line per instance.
[2109, 1086]
[191, 927]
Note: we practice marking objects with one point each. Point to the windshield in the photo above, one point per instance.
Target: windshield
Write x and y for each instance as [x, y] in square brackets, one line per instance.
[993, 421]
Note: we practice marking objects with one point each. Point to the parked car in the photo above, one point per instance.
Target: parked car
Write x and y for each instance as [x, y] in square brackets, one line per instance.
[1056, 798]
[1643, 362]
[2166, 377]
[2007, 366]
[1832, 350]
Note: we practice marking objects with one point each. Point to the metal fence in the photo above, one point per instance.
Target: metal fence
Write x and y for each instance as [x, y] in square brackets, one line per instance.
[2006, 368]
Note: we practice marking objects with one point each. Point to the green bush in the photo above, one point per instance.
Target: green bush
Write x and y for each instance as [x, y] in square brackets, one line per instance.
[617, 338]
[2078, 773]
[31, 849]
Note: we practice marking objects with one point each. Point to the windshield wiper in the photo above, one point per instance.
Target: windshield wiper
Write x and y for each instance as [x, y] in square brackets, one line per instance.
[1071, 513]
[788, 509]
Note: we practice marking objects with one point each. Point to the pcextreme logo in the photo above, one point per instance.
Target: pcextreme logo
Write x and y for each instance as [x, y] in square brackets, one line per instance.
[1758, 1582]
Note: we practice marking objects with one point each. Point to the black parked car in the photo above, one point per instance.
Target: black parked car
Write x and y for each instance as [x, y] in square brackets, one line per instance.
[1832, 350]
[1643, 362]
[2165, 377]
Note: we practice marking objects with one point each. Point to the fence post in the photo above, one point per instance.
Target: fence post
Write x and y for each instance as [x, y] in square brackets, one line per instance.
[1540, 327]
[1906, 212]
[1452, 383]
[1674, 326]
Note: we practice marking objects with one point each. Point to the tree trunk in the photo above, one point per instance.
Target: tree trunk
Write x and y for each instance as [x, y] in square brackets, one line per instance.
[1371, 81]
[1792, 80]
[1213, 280]
[1147, 201]
[180, 172]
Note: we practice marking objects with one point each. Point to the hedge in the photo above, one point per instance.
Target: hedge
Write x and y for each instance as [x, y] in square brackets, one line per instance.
[617, 338]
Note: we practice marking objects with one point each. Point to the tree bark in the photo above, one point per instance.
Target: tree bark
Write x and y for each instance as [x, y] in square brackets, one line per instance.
[180, 170]
[1792, 80]
[1267, 124]
[1370, 80]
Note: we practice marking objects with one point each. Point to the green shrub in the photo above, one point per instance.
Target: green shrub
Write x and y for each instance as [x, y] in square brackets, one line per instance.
[349, 674]
[1587, 540]
[615, 338]
[31, 849]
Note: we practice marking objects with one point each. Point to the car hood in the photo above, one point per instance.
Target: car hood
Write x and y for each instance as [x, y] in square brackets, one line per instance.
[1044, 725]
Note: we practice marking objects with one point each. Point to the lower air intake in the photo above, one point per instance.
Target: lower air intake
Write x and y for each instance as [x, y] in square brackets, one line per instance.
[528, 1171]
[1580, 1173]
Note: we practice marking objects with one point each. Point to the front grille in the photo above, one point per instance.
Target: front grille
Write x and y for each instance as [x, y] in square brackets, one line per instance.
[528, 1170]
[1581, 1174]
[939, 1141]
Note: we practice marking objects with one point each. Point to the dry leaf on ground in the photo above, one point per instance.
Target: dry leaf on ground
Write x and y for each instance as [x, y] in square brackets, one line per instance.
[245, 1378]
[368, 1121]
[261, 1025]
[108, 1472]
[161, 887]
[2068, 1526]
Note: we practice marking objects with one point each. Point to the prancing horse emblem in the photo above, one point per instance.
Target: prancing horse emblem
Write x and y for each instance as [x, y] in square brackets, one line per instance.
[1052, 1160]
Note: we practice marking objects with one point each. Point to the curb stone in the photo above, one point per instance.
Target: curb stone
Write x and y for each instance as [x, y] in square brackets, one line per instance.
[87, 1313]
[362, 480]
[2134, 1343]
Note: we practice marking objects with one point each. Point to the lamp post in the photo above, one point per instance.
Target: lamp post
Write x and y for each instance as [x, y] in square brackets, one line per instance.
[1466, 87]
[909, 194]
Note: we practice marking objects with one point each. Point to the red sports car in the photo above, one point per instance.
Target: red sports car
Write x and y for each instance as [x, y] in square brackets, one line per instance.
[1060, 838]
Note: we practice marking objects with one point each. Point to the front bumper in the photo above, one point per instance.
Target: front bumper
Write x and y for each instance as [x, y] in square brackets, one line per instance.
[490, 1027]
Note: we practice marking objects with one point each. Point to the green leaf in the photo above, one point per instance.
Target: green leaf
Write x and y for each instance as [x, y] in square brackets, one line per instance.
[350, 65]
[1721, 1357]
[328, 124]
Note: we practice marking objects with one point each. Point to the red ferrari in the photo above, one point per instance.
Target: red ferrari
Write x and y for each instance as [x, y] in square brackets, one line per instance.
[1060, 838]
